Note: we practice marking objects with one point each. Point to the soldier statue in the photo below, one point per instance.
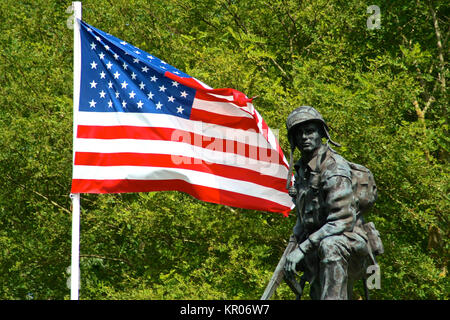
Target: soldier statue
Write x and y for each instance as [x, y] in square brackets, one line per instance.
[334, 246]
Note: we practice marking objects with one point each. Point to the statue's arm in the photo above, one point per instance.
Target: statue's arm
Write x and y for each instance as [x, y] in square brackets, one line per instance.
[298, 230]
[339, 199]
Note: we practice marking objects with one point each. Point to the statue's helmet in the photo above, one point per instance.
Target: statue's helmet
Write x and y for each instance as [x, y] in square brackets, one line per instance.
[302, 115]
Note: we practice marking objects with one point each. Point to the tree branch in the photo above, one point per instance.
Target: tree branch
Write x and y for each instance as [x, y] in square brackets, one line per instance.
[105, 258]
[441, 75]
[236, 18]
[39, 194]
[188, 9]
[244, 29]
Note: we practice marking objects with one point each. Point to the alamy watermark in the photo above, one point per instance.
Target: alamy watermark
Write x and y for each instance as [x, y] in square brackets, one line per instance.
[69, 278]
[70, 19]
[374, 21]
[374, 280]
[206, 144]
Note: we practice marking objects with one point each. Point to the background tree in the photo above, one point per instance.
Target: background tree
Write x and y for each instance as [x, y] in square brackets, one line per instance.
[383, 92]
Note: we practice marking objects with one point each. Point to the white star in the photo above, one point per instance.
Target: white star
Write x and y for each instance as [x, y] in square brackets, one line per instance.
[162, 88]
[93, 45]
[124, 66]
[110, 104]
[159, 105]
[117, 94]
[109, 65]
[144, 69]
[124, 104]
[163, 62]
[132, 94]
[106, 47]
[110, 84]
[163, 67]
[116, 75]
[171, 99]
[184, 94]
[124, 84]
[101, 55]
[142, 85]
[123, 43]
[93, 65]
[98, 38]
[102, 75]
[92, 103]
[102, 94]
[180, 109]
[133, 76]
[153, 79]
[93, 84]
[137, 52]
[136, 60]
[176, 72]
[150, 95]
[175, 84]
[140, 104]
[116, 56]
[89, 29]
[150, 57]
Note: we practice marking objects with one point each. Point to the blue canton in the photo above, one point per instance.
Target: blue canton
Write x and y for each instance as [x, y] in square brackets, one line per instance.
[118, 77]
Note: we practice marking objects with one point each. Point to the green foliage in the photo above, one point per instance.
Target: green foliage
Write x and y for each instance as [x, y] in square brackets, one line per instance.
[382, 91]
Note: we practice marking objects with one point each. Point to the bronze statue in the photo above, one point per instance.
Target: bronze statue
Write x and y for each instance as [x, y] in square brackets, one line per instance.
[331, 245]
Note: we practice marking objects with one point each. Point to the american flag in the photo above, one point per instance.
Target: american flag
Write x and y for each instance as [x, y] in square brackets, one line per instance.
[143, 125]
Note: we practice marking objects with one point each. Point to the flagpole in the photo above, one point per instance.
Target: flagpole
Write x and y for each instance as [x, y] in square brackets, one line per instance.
[75, 266]
[75, 263]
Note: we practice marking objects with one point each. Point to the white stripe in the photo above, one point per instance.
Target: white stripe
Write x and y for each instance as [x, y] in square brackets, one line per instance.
[221, 108]
[246, 109]
[179, 149]
[229, 98]
[168, 121]
[190, 176]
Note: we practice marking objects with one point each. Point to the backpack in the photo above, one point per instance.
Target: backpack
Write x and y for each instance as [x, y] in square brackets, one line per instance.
[364, 187]
[365, 192]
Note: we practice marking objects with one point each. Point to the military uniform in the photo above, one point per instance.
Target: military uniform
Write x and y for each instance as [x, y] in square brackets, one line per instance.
[328, 230]
[329, 227]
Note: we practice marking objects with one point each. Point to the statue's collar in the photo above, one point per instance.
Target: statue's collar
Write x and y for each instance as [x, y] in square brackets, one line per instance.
[313, 163]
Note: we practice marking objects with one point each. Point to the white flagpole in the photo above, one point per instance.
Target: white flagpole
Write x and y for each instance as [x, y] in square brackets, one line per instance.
[75, 264]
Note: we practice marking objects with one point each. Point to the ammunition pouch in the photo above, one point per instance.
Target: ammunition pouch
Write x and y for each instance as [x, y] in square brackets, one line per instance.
[374, 240]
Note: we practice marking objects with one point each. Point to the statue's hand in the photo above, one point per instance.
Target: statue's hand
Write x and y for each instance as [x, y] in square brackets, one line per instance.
[292, 192]
[291, 261]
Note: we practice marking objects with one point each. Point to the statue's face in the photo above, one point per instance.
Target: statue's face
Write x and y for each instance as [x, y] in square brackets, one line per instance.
[308, 137]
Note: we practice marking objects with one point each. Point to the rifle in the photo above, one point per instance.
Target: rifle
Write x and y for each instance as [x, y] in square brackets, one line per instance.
[279, 275]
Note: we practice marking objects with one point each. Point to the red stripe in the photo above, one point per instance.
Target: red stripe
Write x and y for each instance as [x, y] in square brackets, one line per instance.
[200, 192]
[181, 162]
[202, 95]
[189, 82]
[124, 132]
[206, 96]
[169, 134]
[265, 132]
[242, 123]
[238, 97]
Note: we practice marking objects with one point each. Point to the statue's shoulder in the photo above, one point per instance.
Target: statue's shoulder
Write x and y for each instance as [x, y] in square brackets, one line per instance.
[335, 165]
